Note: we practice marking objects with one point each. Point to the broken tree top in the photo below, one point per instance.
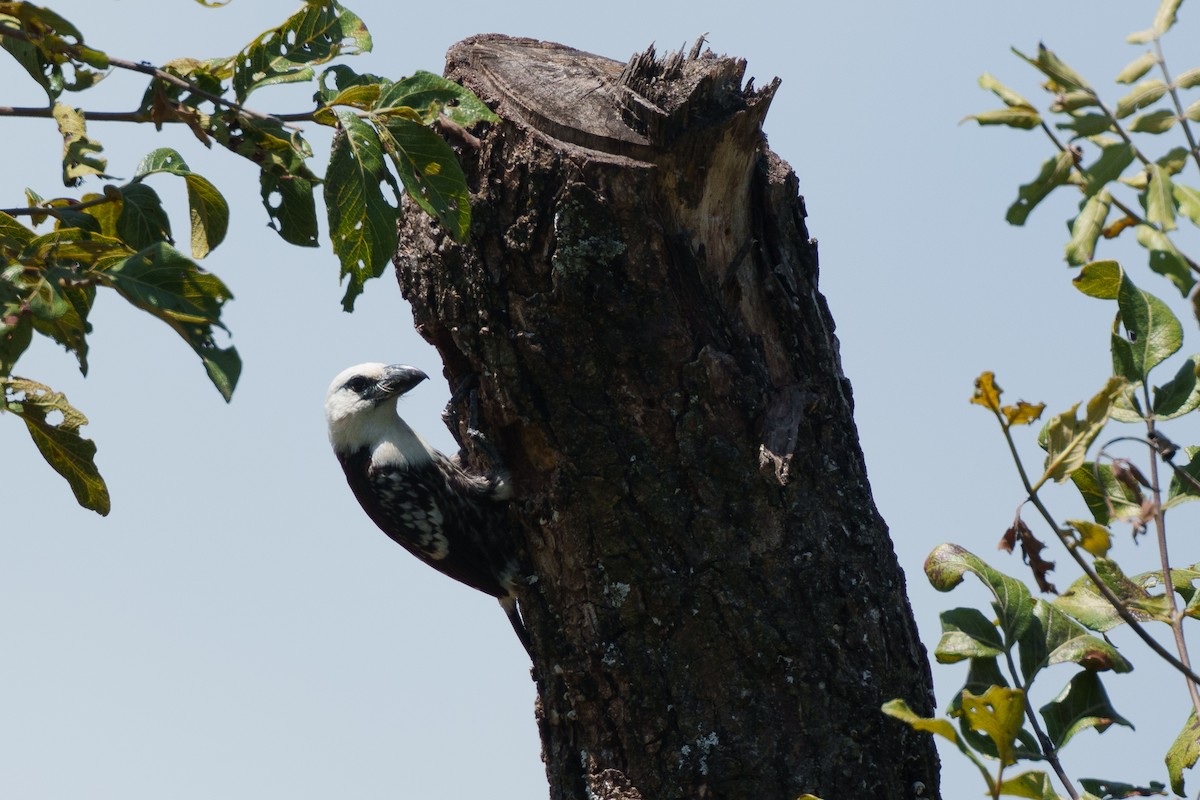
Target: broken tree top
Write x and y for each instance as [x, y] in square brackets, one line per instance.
[636, 109]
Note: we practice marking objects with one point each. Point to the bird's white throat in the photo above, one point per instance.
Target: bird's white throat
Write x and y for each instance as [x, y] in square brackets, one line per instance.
[379, 429]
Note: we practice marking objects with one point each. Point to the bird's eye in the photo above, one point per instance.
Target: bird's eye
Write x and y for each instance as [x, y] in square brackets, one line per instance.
[358, 383]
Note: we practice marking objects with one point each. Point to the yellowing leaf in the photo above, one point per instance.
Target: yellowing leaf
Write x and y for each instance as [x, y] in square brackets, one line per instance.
[71, 455]
[1094, 538]
[987, 393]
[998, 712]
[1100, 279]
[1022, 413]
[1067, 438]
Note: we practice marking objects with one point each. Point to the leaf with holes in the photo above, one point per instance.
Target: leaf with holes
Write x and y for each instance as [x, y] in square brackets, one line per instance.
[169, 285]
[292, 207]
[81, 154]
[432, 96]
[430, 171]
[60, 443]
[313, 35]
[362, 221]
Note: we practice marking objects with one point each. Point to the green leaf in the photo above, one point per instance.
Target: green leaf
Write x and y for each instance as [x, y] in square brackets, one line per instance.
[1160, 199]
[167, 284]
[1183, 490]
[1055, 638]
[998, 712]
[209, 211]
[271, 147]
[948, 563]
[1115, 790]
[1154, 333]
[1054, 173]
[1086, 228]
[1192, 112]
[34, 59]
[1188, 78]
[1100, 279]
[1137, 68]
[13, 235]
[1009, 97]
[1155, 122]
[1165, 258]
[1067, 438]
[1188, 200]
[143, 222]
[966, 633]
[317, 33]
[80, 154]
[1146, 93]
[1023, 118]
[60, 303]
[431, 96]
[16, 333]
[1164, 18]
[1055, 69]
[1071, 102]
[71, 455]
[430, 172]
[1082, 704]
[1107, 498]
[362, 223]
[1035, 785]
[1084, 602]
[209, 214]
[1183, 753]
[293, 209]
[1174, 160]
[1086, 124]
[346, 83]
[1113, 160]
[1181, 394]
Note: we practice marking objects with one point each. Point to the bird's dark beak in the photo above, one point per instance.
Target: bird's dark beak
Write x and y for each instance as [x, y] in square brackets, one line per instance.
[398, 379]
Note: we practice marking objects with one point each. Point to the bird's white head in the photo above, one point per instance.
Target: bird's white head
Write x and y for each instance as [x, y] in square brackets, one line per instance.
[360, 406]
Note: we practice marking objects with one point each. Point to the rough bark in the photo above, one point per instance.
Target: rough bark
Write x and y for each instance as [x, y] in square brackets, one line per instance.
[714, 602]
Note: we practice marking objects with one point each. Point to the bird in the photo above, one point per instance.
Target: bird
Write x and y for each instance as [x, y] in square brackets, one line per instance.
[449, 517]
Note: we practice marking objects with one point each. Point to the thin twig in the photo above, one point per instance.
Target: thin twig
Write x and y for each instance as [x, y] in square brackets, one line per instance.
[1126, 210]
[55, 211]
[1049, 752]
[155, 72]
[1160, 530]
[1122, 611]
[1183, 120]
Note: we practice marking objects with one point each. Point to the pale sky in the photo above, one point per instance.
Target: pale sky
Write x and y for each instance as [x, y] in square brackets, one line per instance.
[237, 628]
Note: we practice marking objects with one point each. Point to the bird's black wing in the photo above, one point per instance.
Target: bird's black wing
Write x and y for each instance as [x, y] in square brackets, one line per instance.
[428, 509]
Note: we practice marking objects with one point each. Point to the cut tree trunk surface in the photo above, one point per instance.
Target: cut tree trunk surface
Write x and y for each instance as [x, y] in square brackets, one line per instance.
[715, 606]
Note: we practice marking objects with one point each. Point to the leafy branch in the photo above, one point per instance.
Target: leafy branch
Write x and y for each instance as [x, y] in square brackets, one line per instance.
[1091, 120]
[386, 146]
[995, 716]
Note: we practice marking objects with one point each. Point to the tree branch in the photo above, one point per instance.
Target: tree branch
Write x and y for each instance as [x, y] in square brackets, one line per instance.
[149, 69]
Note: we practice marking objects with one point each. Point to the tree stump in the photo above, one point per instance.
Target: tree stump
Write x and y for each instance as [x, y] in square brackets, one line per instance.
[715, 606]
